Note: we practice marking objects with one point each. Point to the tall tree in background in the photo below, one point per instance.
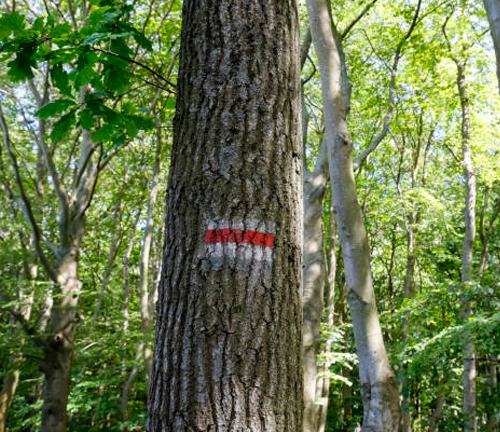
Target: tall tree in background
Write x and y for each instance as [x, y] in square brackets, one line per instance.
[469, 352]
[227, 351]
[493, 11]
[378, 384]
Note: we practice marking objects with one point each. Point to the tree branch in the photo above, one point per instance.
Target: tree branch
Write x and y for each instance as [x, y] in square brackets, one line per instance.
[26, 201]
[392, 93]
[156, 74]
[356, 20]
[49, 161]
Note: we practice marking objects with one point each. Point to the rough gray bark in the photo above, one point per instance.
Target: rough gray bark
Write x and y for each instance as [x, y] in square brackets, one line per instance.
[493, 11]
[228, 335]
[378, 384]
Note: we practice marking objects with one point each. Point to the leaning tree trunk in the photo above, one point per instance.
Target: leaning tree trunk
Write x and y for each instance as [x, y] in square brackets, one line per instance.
[470, 372]
[228, 334]
[493, 11]
[378, 384]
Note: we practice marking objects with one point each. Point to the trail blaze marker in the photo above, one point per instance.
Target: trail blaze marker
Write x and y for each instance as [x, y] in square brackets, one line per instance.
[251, 237]
[239, 243]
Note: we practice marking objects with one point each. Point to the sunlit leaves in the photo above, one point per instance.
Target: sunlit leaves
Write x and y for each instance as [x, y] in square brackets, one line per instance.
[98, 56]
[54, 108]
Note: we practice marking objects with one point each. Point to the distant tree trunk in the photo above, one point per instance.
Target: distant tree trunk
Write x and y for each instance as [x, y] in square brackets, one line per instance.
[378, 384]
[144, 347]
[438, 411]
[146, 315]
[493, 11]
[315, 275]
[125, 308]
[228, 335]
[11, 377]
[470, 372]
[126, 271]
[323, 387]
[113, 249]
[486, 233]
[59, 342]
[493, 414]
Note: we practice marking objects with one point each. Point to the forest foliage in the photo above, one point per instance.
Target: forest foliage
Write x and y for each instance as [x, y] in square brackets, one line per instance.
[124, 54]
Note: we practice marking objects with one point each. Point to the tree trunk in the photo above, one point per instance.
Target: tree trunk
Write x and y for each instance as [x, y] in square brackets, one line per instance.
[413, 218]
[11, 377]
[315, 275]
[493, 11]
[492, 415]
[58, 346]
[438, 411]
[59, 343]
[146, 316]
[228, 335]
[378, 384]
[324, 382]
[470, 373]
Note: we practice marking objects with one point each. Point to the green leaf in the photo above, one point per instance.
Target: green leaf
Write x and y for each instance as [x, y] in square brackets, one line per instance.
[60, 31]
[63, 126]
[20, 68]
[38, 25]
[131, 126]
[60, 79]
[54, 108]
[144, 123]
[85, 72]
[9, 23]
[87, 119]
[142, 40]
[104, 133]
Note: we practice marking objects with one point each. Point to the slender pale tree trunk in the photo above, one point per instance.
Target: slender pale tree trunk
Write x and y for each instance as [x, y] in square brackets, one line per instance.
[125, 308]
[144, 349]
[146, 315]
[113, 249]
[315, 275]
[493, 11]
[126, 272]
[470, 372]
[323, 387]
[378, 384]
[228, 339]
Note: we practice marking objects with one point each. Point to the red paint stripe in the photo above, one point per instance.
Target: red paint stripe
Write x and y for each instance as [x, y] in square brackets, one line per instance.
[226, 235]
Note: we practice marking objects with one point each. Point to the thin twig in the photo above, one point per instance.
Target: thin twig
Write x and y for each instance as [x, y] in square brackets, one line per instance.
[156, 74]
[356, 20]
